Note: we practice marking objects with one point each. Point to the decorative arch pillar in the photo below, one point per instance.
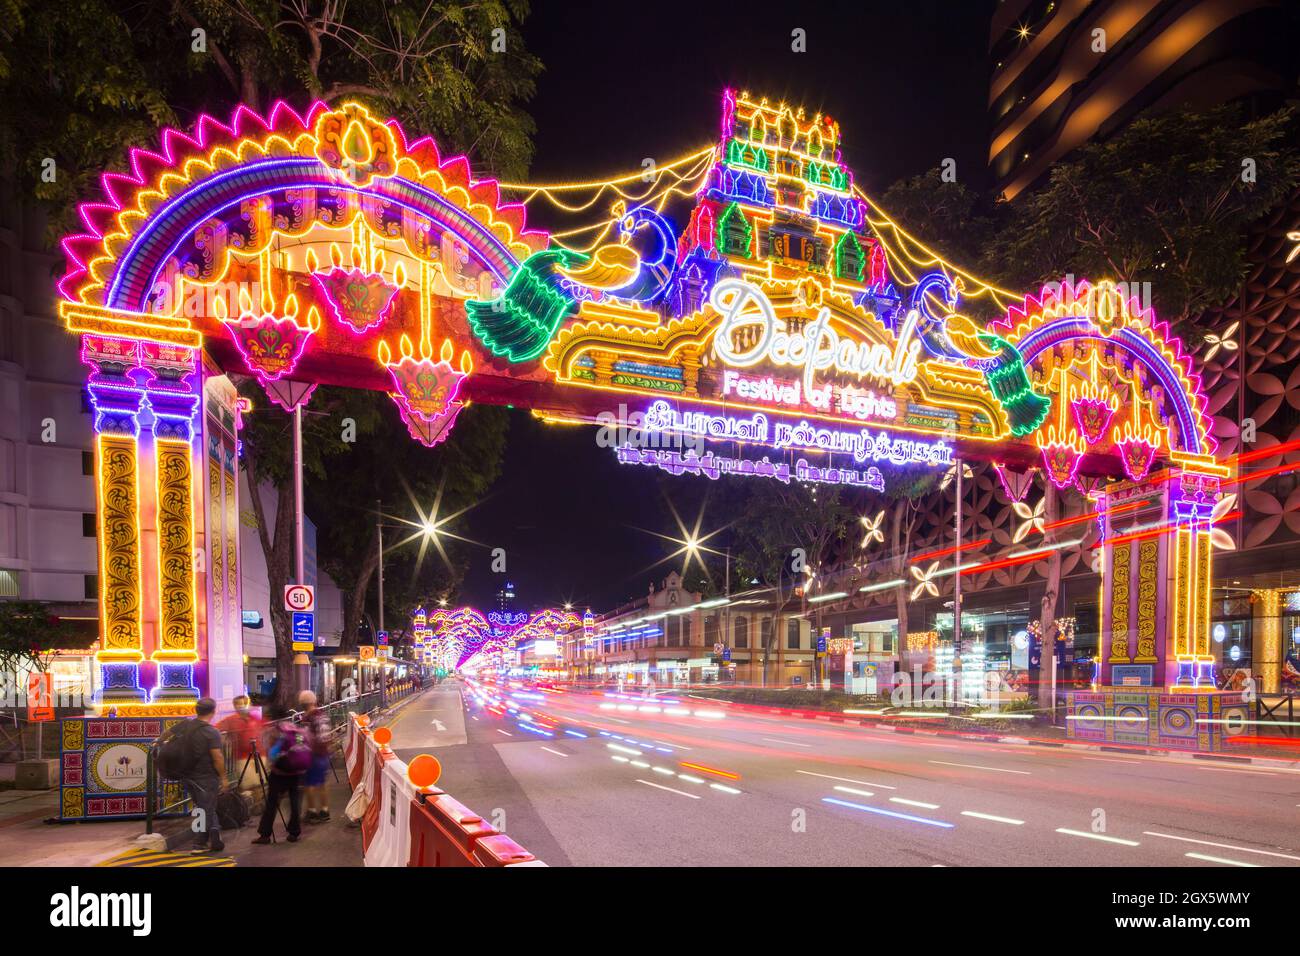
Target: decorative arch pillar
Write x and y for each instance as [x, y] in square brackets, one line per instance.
[1156, 569]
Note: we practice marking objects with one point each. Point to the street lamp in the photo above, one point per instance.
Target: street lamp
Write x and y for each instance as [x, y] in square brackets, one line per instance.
[427, 529]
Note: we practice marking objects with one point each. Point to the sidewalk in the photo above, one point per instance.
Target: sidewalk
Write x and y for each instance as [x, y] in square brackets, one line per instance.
[27, 840]
[323, 844]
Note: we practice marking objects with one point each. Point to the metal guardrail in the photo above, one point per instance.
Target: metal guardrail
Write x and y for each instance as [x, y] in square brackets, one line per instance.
[1284, 721]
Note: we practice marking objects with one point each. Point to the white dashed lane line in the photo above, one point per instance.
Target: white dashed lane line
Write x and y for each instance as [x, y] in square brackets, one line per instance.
[680, 793]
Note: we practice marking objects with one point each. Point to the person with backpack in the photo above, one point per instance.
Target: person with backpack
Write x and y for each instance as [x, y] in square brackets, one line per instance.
[191, 753]
[290, 756]
[317, 723]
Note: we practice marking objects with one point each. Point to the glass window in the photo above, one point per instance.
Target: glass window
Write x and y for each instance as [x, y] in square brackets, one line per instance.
[742, 632]
[792, 634]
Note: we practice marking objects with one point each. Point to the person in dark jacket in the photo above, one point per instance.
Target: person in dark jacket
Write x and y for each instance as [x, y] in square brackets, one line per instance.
[206, 777]
[280, 782]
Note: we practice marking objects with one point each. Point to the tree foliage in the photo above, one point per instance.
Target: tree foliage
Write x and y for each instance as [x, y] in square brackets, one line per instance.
[29, 633]
[80, 82]
[1167, 200]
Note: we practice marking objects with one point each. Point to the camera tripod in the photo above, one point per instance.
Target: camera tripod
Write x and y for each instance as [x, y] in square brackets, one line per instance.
[254, 759]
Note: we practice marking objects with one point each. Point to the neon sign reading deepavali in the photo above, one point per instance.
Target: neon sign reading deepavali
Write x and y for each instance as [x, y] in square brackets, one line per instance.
[758, 429]
[714, 466]
[816, 347]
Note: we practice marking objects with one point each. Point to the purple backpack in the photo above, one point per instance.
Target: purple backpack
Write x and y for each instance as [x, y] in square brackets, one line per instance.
[295, 751]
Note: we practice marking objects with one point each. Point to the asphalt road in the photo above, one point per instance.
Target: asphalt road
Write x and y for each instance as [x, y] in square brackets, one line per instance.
[591, 780]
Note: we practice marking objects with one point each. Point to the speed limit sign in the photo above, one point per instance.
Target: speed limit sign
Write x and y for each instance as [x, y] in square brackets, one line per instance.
[299, 597]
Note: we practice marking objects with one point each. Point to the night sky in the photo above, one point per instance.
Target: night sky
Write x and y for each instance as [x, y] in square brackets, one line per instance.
[907, 83]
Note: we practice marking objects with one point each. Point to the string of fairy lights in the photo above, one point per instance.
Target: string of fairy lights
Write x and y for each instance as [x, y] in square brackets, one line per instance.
[909, 258]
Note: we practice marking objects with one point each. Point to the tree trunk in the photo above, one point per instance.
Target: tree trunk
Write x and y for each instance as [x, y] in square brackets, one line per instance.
[354, 607]
[1047, 619]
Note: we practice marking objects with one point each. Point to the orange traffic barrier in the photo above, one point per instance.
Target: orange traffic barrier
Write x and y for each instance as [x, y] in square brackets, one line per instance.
[500, 850]
[409, 821]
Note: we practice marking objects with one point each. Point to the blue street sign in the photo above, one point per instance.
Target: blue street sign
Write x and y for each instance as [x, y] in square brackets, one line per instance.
[304, 631]
[726, 653]
[383, 638]
[821, 644]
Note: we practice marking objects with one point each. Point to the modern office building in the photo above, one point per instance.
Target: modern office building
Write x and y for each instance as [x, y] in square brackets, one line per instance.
[1068, 71]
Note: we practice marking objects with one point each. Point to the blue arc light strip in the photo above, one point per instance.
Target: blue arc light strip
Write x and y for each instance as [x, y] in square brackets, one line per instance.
[307, 166]
[889, 813]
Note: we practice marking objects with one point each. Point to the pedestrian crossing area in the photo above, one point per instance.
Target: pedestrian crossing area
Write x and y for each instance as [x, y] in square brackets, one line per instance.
[150, 858]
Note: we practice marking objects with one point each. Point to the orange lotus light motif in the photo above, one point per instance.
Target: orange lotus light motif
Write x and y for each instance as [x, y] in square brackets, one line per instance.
[355, 143]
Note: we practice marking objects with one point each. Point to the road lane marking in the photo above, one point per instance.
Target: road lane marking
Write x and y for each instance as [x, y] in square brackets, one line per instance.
[1218, 859]
[988, 816]
[506, 732]
[665, 771]
[975, 766]
[724, 788]
[889, 813]
[689, 779]
[624, 750]
[1097, 836]
[865, 783]
[680, 793]
[619, 759]
[556, 752]
[640, 764]
[855, 792]
[915, 803]
[1222, 846]
[784, 743]
[1260, 773]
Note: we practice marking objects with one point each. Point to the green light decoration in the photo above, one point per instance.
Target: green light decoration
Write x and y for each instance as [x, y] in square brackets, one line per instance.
[519, 323]
[850, 261]
[734, 232]
[1010, 385]
[740, 153]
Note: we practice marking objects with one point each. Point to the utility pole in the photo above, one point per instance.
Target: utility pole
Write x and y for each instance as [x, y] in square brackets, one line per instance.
[301, 662]
[956, 587]
[379, 530]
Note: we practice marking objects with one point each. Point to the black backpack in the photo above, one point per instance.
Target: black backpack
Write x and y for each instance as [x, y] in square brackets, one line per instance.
[176, 755]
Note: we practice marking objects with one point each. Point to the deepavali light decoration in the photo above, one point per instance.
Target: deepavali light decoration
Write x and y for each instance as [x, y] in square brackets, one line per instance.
[360, 298]
[691, 462]
[467, 633]
[270, 346]
[786, 326]
[426, 391]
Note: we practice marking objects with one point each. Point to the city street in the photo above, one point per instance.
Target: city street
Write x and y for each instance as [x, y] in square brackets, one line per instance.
[613, 783]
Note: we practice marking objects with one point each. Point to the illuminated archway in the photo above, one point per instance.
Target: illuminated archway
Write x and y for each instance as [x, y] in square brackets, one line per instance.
[787, 318]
